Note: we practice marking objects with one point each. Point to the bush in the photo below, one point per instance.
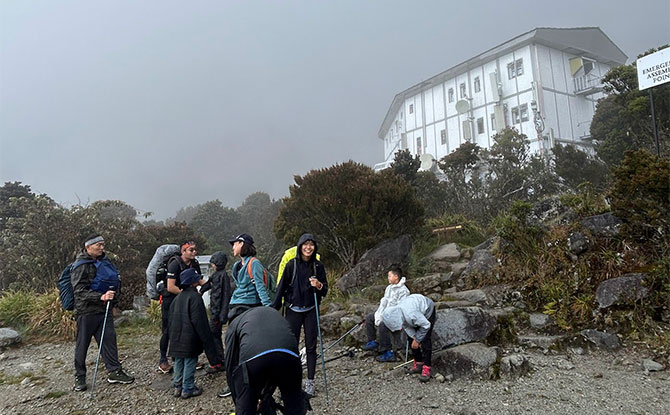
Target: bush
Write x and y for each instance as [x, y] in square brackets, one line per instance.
[470, 234]
[48, 318]
[15, 308]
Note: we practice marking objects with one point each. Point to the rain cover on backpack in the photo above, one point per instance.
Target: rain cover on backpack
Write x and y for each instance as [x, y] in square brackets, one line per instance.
[163, 253]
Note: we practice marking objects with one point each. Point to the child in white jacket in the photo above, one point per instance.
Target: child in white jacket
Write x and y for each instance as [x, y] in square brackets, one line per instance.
[395, 292]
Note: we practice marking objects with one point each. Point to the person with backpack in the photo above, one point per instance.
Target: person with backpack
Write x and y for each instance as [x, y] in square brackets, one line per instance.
[176, 265]
[303, 277]
[262, 355]
[95, 282]
[416, 315]
[249, 276]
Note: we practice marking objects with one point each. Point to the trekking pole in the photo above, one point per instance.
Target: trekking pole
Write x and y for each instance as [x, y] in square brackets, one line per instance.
[407, 349]
[323, 361]
[102, 336]
[343, 336]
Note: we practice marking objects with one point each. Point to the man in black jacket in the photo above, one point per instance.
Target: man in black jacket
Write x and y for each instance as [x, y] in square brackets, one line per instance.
[219, 301]
[89, 309]
[261, 355]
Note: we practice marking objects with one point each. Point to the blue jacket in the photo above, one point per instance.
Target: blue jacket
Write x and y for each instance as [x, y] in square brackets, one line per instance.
[249, 292]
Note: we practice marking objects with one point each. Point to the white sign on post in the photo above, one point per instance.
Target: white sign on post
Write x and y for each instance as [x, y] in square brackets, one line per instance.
[654, 69]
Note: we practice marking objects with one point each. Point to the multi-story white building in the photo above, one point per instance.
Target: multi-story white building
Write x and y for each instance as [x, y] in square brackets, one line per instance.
[545, 83]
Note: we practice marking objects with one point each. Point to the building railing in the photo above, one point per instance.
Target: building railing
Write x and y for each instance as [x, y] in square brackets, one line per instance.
[587, 85]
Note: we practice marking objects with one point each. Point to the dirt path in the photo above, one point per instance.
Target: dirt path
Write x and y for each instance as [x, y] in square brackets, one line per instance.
[560, 384]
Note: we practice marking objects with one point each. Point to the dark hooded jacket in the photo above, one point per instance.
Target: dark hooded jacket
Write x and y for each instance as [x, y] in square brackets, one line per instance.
[189, 331]
[87, 301]
[219, 283]
[294, 288]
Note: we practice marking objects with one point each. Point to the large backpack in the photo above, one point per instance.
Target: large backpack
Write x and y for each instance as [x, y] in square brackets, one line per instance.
[269, 280]
[106, 278]
[157, 270]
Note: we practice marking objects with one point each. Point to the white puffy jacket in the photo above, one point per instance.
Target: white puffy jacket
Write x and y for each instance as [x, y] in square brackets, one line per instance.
[392, 296]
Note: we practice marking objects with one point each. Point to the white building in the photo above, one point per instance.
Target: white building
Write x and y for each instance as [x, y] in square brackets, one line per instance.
[545, 83]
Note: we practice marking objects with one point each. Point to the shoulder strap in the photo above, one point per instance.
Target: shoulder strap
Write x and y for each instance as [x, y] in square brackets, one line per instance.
[80, 262]
[295, 267]
[249, 268]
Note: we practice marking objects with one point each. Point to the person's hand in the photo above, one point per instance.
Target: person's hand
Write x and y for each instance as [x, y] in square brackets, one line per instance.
[315, 283]
[415, 344]
[109, 295]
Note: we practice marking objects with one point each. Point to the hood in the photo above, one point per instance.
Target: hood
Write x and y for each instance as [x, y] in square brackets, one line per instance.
[400, 283]
[304, 238]
[392, 318]
[219, 259]
[188, 277]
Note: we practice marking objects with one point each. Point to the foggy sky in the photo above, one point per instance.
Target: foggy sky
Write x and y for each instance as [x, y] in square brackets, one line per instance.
[166, 104]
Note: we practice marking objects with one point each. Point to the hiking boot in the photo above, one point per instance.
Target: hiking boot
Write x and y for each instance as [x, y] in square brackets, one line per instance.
[79, 383]
[309, 387]
[371, 345]
[215, 368]
[425, 374]
[164, 367]
[177, 392]
[199, 365]
[417, 367]
[195, 392]
[119, 376]
[387, 356]
[224, 393]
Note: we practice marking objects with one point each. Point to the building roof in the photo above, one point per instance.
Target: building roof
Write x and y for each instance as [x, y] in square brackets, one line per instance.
[590, 42]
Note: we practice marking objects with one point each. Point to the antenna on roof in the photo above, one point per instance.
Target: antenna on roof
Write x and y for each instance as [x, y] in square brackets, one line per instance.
[463, 106]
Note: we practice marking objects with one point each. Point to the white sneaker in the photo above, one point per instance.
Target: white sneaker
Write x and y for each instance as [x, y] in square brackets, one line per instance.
[309, 387]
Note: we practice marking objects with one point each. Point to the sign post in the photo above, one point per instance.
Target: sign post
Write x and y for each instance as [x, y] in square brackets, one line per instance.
[653, 70]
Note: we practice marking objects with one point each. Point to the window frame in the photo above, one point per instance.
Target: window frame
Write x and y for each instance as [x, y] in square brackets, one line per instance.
[477, 84]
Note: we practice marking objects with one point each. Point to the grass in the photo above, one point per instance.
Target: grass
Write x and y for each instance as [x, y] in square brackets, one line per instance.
[6, 379]
[55, 394]
[15, 308]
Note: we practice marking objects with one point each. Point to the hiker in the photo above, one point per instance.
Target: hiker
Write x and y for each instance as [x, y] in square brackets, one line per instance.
[416, 315]
[176, 265]
[189, 334]
[248, 292]
[90, 309]
[262, 355]
[219, 300]
[303, 276]
[395, 291]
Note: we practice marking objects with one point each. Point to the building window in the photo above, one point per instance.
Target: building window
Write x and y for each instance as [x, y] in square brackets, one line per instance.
[418, 146]
[511, 73]
[480, 125]
[462, 87]
[411, 108]
[451, 94]
[515, 115]
[515, 69]
[443, 136]
[478, 86]
[519, 67]
[523, 111]
[493, 122]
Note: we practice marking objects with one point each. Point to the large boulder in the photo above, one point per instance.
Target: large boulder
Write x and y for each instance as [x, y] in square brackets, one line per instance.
[514, 366]
[462, 325]
[472, 296]
[626, 289]
[602, 225]
[446, 253]
[9, 337]
[483, 263]
[472, 360]
[375, 262]
[330, 322]
[600, 339]
[429, 284]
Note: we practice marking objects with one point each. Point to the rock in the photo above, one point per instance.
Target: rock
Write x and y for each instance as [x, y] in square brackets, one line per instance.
[539, 320]
[626, 289]
[348, 322]
[472, 360]
[549, 212]
[334, 307]
[435, 297]
[375, 262]
[564, 365]
[446, 253]
[120, 320]
[502, 294]
[442, 304]
[472, 296]
[601, 339]
[141, 304]
[578, 243]
[458, 268]
[483, 263]
[652, 366]
[374, 291]
[3, 357]
[27, 366]
[439, 377]
[331, 322]
[514, 366]
[426, 285]
[541, 342]
[462, 325]
[25, 382]
[602, 225]
[504, 312]
[9, 337]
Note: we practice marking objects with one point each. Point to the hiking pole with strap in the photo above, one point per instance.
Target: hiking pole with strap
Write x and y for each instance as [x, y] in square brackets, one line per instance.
[102, 336]
[323, 361]
[343, 336]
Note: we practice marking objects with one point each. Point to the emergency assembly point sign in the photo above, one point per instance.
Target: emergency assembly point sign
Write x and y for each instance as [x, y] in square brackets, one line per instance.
[654, 69]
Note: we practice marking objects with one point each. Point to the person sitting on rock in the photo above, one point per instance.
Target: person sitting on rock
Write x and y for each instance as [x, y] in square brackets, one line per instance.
[395, 291]
[416, 315]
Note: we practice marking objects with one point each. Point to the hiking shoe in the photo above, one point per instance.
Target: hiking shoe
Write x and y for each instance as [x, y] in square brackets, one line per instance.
[371, 345]
[309, 387]
[164, 367]
[417, 367]
[224, 393]
[387, 356]
[195, 392]
[177, 392]
[199, 365]
[119, 376]
[425, 374]
[79, 383]
[215, 368]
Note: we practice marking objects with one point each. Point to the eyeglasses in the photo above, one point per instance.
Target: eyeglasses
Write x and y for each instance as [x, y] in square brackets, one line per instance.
[192, 250]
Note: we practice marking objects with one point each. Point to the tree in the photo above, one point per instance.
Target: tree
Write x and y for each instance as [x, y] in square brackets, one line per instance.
[428, 188]
[257, 216]
[9, 191]
[575, 167]
[464, 189]
[405, 165]
[216, 222]
[349, 208]
[622, 120]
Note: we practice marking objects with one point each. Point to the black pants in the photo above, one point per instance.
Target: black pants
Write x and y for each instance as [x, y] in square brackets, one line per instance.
[90, 325]
[216, 332]
[308, 321]
[424, 353]
[165, 326]
[385, 340]
[272, 370]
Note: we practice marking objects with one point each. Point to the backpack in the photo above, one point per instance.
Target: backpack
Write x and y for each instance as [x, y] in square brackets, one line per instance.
[269, 280]
[157, 270]
[106, 278]
[289, 254]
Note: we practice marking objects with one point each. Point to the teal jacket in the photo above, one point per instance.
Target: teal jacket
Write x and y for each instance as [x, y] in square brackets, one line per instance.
[249, 292]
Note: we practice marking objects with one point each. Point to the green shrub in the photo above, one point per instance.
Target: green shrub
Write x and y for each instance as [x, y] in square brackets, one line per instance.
[48, 318]
[471, 233]
[15, 308]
